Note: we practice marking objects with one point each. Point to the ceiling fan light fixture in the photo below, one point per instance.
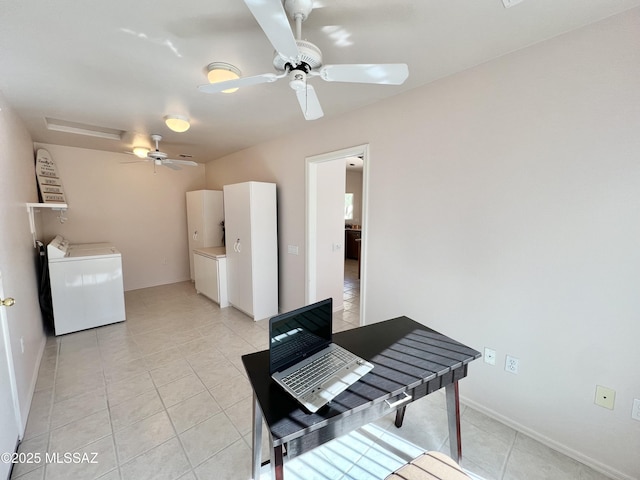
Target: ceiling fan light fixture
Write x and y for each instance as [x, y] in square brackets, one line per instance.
[177, 123]
[140, 152]
[222, 72]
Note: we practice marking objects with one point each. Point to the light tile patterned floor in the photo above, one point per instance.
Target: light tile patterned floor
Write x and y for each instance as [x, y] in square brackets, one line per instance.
[164, 396]
[351, 296]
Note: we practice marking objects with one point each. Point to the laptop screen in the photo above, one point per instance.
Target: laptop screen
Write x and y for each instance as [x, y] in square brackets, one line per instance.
[297, 334]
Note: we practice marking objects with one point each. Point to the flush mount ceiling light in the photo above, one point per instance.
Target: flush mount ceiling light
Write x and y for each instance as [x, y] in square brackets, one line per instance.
[221, 72]
[177, 123]
[140, 152]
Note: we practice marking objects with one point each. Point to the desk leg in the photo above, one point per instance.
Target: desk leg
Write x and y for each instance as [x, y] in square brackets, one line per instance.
[453, 416]
[400, 416]
[256, 440]
[277, 463]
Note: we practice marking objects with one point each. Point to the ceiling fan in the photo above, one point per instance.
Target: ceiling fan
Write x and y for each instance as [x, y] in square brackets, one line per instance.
[299, 59]
[160, 158]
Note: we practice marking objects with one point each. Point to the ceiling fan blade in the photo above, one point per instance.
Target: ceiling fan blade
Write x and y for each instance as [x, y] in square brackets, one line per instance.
[309, 103]
[384, 74]
[272, 18]
[191, 163]
[240, 82]
[169, 164]
[142, 160]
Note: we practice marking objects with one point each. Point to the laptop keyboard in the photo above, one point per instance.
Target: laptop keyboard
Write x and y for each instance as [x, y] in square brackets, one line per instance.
[322, 367]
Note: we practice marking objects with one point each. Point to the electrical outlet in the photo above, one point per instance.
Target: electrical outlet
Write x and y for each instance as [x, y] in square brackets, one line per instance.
[511, 364]
[605, 397]
[635, 412]
[489, 356]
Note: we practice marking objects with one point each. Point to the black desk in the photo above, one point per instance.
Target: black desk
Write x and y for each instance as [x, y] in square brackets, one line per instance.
[410, 361]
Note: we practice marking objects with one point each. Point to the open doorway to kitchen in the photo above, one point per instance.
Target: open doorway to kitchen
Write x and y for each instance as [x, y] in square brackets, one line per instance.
[326, 235]
[352, 237]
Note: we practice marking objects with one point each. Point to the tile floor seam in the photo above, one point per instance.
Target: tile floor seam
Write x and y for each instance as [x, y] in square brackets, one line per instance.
[118, 461]
[115, 454]
[48, 432]
[177, 435]
[240, 434]
[201, 421]
[508, 456]
[52, 401]
[194, 467]
[174, 379]
[120, 465]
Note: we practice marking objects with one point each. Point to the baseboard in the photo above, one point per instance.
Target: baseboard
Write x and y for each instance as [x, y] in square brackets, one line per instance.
[24, 416]
[569, 452]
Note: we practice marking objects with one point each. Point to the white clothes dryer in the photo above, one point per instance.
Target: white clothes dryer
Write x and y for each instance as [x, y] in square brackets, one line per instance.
[87, 288]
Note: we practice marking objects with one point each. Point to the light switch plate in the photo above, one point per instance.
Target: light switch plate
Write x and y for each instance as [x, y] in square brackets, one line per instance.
[489, 356]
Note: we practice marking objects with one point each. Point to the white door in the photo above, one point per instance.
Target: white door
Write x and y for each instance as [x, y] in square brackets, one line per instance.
[330, 231]
[237, 214]
[8, 419]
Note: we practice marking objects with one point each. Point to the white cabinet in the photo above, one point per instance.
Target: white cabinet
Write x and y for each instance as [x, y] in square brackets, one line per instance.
[205, 212]
[252, 248]
[210, 271]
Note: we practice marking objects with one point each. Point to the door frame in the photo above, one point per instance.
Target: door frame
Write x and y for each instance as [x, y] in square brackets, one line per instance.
[4, 326]
[311, 182]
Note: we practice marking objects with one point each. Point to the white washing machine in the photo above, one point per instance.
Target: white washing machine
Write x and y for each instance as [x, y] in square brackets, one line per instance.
[87, 289]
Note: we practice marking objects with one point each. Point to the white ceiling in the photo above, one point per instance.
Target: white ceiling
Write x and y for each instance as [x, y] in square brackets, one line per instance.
[125, 64]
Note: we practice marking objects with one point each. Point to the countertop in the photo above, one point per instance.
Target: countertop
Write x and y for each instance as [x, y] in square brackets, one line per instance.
[211, 252]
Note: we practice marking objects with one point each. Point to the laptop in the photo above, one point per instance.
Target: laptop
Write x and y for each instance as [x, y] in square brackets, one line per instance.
[305, 362]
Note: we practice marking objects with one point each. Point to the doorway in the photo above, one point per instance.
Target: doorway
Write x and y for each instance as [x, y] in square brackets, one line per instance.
[323, 172]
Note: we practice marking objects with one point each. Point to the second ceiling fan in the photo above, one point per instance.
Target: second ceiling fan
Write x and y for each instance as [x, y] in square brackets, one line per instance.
[162, 159]
[299, 59]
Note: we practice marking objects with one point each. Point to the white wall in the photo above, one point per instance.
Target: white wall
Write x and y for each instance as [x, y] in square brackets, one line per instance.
[503, 211]
[17, 254]
[142, 213]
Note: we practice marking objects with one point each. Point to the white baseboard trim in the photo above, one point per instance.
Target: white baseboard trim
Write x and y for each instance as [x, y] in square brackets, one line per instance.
[24, 415]
[590, 462]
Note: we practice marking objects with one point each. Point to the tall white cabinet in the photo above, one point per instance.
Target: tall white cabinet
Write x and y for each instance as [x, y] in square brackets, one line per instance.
[205, 212]
[252, 248]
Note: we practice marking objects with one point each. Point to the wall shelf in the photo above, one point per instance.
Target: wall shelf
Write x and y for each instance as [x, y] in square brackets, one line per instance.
[32, 208]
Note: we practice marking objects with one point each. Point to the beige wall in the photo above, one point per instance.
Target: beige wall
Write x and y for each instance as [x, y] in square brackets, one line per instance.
[142, 213]
[17, 255]
[503, 211]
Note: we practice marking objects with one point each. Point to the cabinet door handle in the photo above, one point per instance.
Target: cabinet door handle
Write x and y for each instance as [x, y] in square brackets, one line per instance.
[195, 235]
[237, 247]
